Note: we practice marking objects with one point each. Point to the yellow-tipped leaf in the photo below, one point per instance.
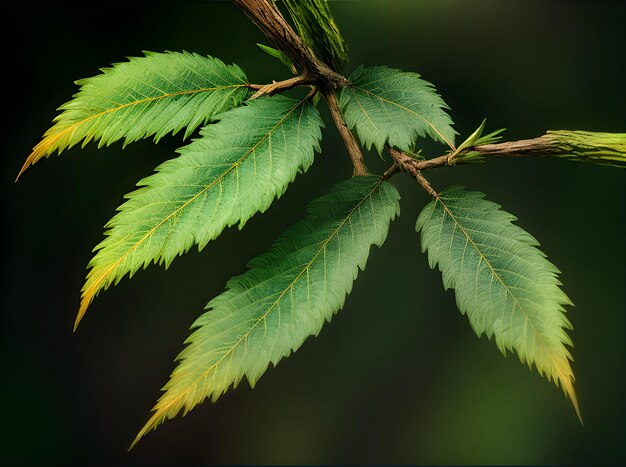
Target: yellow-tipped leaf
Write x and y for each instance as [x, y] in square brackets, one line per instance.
[152, 95]
[286, 295]
[502, 281]
[236, 168]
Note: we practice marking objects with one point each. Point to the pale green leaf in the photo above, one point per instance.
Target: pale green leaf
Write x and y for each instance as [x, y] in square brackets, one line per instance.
[235, 169]
[286, 295]
[490, 138]
[272, 52]
[502, 281]
[471, 139]
[475, 139]
[388, 106]
[152, 95]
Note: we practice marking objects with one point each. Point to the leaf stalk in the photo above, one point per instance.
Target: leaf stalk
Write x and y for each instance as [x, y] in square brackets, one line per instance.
[354, 151]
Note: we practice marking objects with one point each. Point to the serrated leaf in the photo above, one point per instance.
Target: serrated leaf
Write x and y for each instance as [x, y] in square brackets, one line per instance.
[285, 296]
[152, 95]
[502, 281]
[235, 169]
[388, 106]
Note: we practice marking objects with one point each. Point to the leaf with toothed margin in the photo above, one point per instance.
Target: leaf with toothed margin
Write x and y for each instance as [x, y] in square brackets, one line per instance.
[388, 106]
[152, 95]
[502, 281]
[286, 295]
[236, 168]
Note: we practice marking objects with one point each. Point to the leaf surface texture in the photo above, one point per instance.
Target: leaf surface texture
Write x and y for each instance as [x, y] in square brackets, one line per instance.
[502, 281]
[236, 168]
[389, 106]
[286, 295]
[152, 95]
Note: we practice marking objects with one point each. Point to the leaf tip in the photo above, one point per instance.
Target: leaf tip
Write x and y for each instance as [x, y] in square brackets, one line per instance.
[84, 304]
[43, 149]
[151, 424]
[568, 387]
[566, 379]
[27, 164]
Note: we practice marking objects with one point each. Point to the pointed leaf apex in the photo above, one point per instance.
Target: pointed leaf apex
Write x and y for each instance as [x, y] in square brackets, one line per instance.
[566, 379]
[151, 424]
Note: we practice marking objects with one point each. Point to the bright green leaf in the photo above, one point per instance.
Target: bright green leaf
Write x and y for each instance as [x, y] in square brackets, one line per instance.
[152, 95]
[286, 295]
[235, 169]
[502, 281]
[388, 106]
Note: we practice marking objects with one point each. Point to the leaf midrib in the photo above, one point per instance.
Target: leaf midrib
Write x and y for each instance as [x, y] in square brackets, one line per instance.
[493, 271]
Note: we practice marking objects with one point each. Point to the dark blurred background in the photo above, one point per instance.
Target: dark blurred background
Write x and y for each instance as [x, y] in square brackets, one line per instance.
[398, 376]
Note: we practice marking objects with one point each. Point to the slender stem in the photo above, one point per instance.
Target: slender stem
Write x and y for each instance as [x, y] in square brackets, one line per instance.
[352, 146]
[265, 15]
[581, 146]
[279, 86]
[425, 184]
[391, 171]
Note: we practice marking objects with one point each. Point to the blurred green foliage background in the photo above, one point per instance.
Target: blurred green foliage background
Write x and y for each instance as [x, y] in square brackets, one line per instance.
[398, 376]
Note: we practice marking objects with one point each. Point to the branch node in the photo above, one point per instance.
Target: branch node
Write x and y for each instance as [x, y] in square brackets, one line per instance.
[408, 164]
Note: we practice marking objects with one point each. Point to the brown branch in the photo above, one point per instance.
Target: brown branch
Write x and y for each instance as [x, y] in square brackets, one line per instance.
[582, 146]
[278, 86]
[391, 171]
[541, 146]
[425, 184]
[354, 151]
[266, 16]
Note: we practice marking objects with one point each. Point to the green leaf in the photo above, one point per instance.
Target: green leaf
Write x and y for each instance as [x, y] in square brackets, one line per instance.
[152, 95]
[236, 168]
[490, 138]
[317, 28]
[388, 106]
[471, 139]
[502, 281]
[475, 139]
[272, 52]
[286, 295]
